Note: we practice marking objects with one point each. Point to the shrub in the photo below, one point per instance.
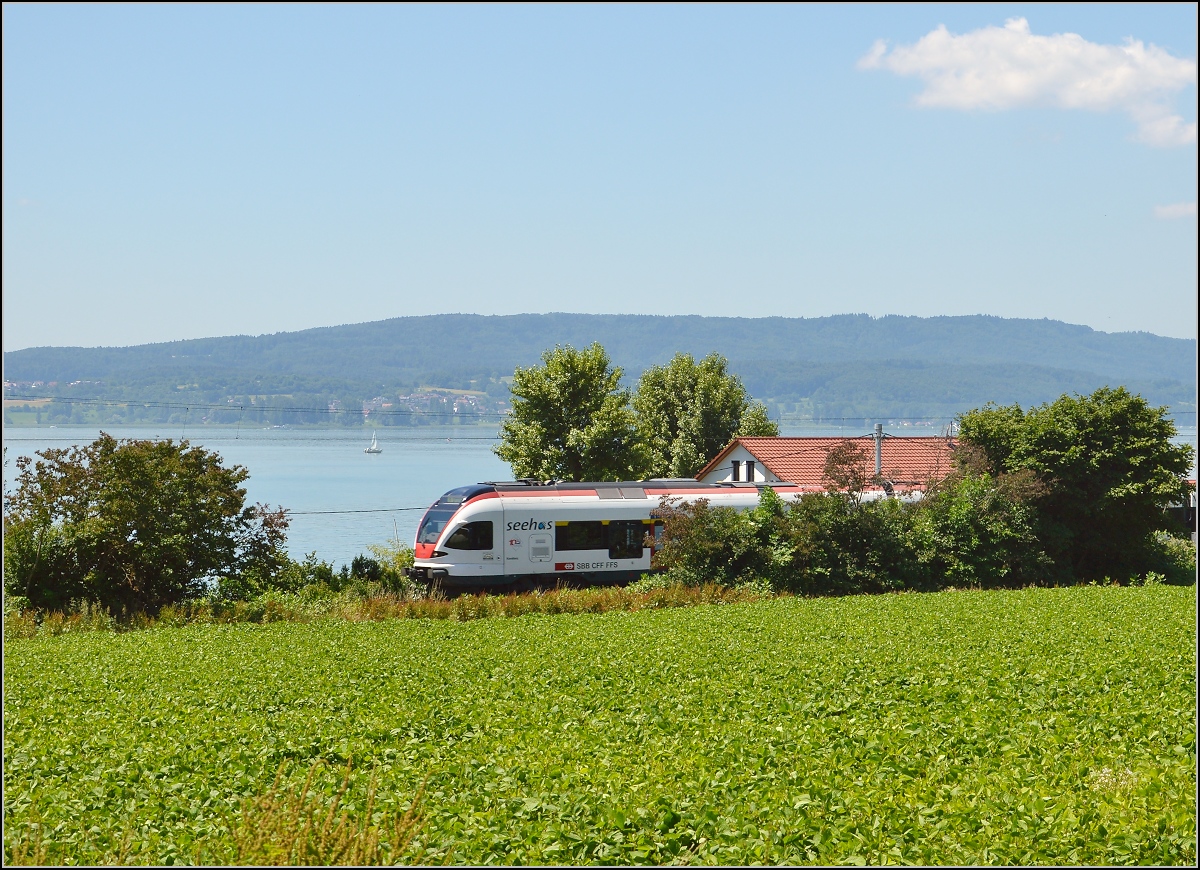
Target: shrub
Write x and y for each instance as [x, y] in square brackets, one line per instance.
[705, 544]
[1174, 558]
[132, 525]
[975, 531]
[393, 558]
[1108, 468]
[823, 544]
[840, 546]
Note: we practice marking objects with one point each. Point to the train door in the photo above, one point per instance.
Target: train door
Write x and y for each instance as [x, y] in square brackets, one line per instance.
[528, 544]
[513, 547]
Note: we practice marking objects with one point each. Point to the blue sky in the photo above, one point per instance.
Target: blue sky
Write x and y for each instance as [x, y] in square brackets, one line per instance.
[184, 171]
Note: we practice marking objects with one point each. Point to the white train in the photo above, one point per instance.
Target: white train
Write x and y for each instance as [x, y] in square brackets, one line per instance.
[526, 534]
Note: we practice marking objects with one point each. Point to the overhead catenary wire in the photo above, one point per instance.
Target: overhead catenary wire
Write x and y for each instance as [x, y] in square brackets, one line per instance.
[357, 511]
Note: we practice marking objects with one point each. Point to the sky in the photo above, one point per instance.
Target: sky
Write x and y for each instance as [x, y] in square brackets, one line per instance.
[181, 171]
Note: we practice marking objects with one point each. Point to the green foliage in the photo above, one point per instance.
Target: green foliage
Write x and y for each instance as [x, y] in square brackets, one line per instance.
[300, 826]
[288, 576]
[820, 545]
[1174, 558]
[393, 558]
[976, 531]
[1034, 727]
[756, 423]
[706, 544]
[688, 411]
[842, 547]
[132, 525]
[1109, 470]
[571, 420]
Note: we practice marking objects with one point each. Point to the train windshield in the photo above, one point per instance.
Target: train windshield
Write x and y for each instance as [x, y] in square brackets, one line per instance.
[434, 523]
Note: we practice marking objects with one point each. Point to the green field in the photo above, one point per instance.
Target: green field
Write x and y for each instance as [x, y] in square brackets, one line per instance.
[1041, 726]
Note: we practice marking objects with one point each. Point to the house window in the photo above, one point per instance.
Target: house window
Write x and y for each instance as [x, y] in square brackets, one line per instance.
[750, 470]
[737, 471]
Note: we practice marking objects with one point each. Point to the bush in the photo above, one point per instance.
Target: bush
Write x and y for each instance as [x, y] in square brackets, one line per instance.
[1174, 558]
[975, 531]
[821, 545]
[393, 558]
[840, 546]
[1108, 468]
[132, 525]
[704, 544]
[42, 565]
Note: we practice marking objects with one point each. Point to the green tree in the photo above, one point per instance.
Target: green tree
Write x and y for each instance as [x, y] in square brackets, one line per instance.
[571, 420]
[688, 411]
[132, 525]
[1108, 468]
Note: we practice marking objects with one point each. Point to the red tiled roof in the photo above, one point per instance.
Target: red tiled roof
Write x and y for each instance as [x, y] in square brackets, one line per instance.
[908, 462]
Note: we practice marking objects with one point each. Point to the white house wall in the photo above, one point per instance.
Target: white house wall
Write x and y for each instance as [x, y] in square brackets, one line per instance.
[724, 472]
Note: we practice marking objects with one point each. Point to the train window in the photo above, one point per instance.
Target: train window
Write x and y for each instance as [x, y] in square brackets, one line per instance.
[625, 539]
[472, 536]
[580, 536]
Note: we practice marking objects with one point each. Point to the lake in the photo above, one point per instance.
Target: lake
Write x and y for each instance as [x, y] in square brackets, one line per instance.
[342, 500]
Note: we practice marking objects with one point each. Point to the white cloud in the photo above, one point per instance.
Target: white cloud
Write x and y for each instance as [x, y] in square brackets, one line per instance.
[1006, 67]
[1175, 210]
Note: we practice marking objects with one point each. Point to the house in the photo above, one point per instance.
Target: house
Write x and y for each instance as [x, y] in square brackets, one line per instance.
[892, 464]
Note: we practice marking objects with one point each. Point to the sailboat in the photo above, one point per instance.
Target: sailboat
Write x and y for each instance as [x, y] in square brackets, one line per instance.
[374, 448]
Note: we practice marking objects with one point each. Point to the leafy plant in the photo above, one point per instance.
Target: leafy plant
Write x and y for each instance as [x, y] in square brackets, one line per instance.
[973, 530]
[571, 420]
[1108, 467]
[1038, 726]
[132, 525]
[688, 411]
[297, 826]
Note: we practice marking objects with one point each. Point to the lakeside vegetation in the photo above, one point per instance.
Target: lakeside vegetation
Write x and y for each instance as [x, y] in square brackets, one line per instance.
[1044, 726]
[1076, 490]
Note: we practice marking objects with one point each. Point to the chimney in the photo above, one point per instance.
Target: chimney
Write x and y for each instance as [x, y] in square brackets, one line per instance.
[878, 449]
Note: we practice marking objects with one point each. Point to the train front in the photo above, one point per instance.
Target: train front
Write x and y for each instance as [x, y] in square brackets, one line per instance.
[458, 541]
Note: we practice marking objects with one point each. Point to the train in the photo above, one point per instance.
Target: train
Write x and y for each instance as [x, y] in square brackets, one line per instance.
[529, 534]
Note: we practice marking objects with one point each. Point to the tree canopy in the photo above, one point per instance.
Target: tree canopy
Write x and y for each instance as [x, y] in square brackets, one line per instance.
[571, 420]
[131, 525]
[688, 411]
[1108, 468]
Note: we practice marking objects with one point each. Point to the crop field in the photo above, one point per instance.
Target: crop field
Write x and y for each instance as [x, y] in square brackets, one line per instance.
[1026, 727]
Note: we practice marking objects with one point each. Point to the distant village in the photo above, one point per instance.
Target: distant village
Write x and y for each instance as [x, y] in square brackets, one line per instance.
[432, 402]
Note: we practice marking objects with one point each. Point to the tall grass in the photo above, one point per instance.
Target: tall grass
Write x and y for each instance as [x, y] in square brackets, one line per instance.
[296, 826]
[377, 604]
[287, 825]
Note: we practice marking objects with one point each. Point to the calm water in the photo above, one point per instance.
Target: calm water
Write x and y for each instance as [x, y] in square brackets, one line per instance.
[322, 470]
[310, 470]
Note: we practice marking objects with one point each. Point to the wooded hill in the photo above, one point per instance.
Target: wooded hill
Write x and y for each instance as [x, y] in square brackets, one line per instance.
[829, 367]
